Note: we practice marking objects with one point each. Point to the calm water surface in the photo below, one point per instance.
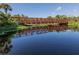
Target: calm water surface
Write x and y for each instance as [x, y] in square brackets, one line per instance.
[51, 40]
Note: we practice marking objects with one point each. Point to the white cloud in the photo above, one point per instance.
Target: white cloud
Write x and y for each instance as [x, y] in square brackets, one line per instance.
[55, 12]
[59, 8]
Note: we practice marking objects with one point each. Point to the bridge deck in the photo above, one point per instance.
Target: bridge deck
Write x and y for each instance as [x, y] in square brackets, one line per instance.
[31, 21]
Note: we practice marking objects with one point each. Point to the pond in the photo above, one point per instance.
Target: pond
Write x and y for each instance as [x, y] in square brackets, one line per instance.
[50, 40]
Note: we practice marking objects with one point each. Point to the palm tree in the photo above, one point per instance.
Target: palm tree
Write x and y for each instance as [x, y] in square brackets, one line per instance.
[6, 7]
[5, 19]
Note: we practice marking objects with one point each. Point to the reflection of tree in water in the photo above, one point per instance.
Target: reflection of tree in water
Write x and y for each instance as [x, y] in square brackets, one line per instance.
[5, 43]
[74, 28]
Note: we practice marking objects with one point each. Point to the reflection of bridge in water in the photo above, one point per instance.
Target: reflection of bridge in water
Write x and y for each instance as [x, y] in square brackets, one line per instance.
[42, 30]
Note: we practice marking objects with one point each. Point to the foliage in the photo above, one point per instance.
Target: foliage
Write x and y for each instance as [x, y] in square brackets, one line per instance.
[5, 7]
[73, 23]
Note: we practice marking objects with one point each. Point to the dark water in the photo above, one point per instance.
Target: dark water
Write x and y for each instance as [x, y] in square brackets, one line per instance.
[51, 40]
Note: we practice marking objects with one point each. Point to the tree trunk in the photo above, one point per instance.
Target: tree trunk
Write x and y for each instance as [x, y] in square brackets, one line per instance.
[6, 11]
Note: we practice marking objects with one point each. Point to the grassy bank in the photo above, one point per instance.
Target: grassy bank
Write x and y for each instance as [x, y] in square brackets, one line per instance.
[73, 23]
[6, 29]
[36, 25]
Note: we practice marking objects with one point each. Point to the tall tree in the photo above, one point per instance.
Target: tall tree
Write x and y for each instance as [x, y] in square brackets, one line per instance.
[5, 7]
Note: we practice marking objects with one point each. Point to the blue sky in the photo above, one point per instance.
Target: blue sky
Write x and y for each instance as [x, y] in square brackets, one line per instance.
[45, 9]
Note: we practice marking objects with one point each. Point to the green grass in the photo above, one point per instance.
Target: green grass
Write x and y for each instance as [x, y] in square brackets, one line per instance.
[20, 27]
[39, 25]
[73, 23]
[6, 29]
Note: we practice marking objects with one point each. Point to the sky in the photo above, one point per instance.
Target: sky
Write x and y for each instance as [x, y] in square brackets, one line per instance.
[45, 9]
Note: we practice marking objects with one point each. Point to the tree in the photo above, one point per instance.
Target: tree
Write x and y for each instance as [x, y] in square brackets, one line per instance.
[5, 19]
[64, 16]
[57, 16]
[49, 17]
[61, 16]
[5, 7]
